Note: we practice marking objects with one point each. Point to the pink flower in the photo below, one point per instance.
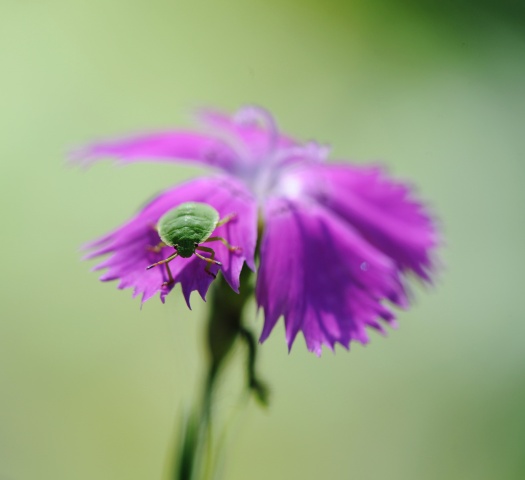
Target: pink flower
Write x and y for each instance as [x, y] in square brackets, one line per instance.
[337, 240]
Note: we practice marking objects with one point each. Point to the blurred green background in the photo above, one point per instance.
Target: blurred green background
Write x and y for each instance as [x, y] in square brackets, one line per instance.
[92, 386]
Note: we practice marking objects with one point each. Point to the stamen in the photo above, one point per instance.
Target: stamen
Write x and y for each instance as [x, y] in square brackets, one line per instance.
[253, 115]
[310, 152]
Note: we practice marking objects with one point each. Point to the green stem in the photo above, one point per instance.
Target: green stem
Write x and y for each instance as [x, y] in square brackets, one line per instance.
[258, 388]
[224, 326]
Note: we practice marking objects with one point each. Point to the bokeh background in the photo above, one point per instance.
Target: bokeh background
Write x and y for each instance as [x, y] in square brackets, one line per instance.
[94, 387]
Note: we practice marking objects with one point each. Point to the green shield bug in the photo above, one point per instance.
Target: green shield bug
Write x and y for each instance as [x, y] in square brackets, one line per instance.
[184, 228]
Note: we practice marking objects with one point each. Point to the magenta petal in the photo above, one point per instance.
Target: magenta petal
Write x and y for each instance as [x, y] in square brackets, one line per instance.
[128, 245]
[322, 276]
[382, 210]
[163, 147]
[192, 277]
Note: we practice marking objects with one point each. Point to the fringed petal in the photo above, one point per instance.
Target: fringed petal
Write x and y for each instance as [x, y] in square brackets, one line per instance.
[171, 147]
[384, 211]
[322, 276]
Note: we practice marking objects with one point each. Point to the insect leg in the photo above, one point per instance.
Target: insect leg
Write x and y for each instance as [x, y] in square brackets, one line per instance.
[231, 248]
[170, 276]
[226, 219]
[209, 261]
[166, 260]
[157, 248]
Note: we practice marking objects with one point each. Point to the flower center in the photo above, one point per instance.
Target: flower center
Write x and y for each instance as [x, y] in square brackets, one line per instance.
[275, 157]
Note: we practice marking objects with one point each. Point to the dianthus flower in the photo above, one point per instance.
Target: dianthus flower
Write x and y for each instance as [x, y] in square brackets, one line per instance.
[337, 239]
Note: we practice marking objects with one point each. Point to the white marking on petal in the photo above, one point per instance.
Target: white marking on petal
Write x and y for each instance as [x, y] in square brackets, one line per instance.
[291, 187]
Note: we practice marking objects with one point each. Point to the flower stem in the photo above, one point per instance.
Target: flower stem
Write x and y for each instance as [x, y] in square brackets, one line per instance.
[195, 457]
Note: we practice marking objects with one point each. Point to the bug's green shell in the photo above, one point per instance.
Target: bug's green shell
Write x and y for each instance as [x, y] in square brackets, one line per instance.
[186, 225]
